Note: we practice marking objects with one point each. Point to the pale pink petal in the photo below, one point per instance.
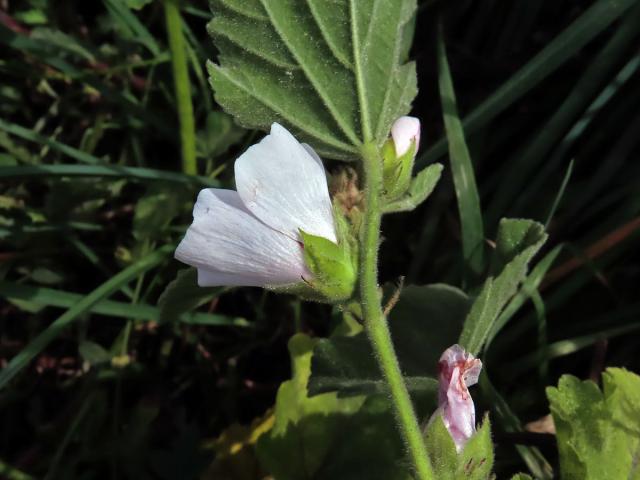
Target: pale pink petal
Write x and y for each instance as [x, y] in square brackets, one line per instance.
[458, 370]
[232, 247]
[285, 186]
[403, 132]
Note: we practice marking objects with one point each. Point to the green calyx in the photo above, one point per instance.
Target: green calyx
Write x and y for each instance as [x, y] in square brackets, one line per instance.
[333, 266]
[396, 170]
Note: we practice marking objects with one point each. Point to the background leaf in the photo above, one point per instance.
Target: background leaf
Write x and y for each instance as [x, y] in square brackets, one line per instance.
[595, 438]
[334, 73]
[518, 241]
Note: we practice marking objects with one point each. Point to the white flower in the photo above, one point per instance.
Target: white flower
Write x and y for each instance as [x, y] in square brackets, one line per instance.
[403, 131]
[457, 370]
[251, 236]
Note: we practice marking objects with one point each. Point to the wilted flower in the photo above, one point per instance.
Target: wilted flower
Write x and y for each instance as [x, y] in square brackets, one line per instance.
[457, 370]
[251, 236]
[404, 131]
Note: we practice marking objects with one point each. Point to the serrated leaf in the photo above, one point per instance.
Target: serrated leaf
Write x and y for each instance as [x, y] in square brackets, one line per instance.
[426, 320]
[597, 431]
[183, 295]
[518, 241]
[331, 72]
[420, 188]
[326, 436]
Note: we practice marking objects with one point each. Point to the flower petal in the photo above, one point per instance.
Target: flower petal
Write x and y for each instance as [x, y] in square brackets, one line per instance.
[403, 131]
[285, 186]
[457, 370]
[232, 247]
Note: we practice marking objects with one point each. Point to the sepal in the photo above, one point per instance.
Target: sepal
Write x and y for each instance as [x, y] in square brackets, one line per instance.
[397, 169]
[333, 266]
[420, 188]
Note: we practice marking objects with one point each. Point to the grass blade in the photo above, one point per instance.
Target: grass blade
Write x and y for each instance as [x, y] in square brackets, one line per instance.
[58, 298]
[461, 168]
[182, 86]
[22, 359]
[562, 48]
[115, 171]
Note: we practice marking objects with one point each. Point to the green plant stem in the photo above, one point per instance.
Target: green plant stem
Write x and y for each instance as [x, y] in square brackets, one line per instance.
[375, 320]
[182, 86]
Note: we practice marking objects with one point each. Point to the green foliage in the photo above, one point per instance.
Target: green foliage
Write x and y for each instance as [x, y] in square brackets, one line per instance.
[464, 178]
[183, 295]
[598, 431]
[425, 321]
[325, 436]
[474, 462]
[334, 73]
[518, 241]
[419, 190]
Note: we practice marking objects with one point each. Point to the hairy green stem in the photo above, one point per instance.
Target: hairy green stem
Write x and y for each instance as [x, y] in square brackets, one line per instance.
[182, 86]
[375, 320]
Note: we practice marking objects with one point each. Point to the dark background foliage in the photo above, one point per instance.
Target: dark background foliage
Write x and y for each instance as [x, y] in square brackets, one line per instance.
[121, 394]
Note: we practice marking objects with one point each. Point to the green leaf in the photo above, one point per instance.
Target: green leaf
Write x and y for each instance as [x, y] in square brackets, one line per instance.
[183, 295]
[316, 437]
[426, 321]
[93, 353]
[521, 476]
[219, 134]
[333, 73]
[518, 241]
[419, 190]
[597, 431]
[476, 460]
[464, 178]
[154, 212]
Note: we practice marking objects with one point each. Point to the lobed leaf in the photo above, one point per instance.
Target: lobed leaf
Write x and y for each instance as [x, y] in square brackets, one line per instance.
[518, 241]
[331, 72]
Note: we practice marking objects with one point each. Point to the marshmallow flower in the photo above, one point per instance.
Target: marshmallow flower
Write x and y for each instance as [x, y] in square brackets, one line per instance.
[403, 131]
[250, 237]
[457, 370]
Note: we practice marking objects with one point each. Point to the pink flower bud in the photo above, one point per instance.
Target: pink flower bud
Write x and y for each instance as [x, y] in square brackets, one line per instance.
[457, 370]
[403, 132]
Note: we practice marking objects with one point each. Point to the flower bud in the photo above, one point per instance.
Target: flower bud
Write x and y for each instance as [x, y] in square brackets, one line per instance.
[398, 154]
[404, 132]
[457, 370]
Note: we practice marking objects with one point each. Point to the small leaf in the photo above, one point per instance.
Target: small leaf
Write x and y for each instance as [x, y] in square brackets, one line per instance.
[154, 212]
[183, 295]
[518, 241]
[521, 476]
[93, 353]
[332, 73]
[420, 188]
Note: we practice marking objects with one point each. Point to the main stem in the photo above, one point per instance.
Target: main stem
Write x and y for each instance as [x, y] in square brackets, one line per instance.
[375, 320]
